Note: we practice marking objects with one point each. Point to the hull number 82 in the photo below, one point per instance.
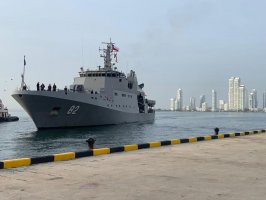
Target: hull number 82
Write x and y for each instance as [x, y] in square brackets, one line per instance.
[73, 110]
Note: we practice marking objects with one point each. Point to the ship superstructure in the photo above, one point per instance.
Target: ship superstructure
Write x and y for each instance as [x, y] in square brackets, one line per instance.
[97, 97]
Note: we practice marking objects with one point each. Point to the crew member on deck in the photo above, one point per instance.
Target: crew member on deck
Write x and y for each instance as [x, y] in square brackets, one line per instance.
[65, 89]
[38, 86]
[49, 87]
[42, 87]
[54, 87]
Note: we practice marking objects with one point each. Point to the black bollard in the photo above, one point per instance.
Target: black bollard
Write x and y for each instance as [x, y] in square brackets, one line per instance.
[90, 142]
[216, 130]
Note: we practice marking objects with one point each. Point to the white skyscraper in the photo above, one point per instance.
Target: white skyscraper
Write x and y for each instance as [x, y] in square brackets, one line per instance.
[204, 107]
[172, 104]
[226, 107]
[236, 95]
[221, 105]
[202, 100]
[192, 103]
[231, 93]
[179, 100]
[264, 100]
[253, 101]
[242, 98]
[214, 101]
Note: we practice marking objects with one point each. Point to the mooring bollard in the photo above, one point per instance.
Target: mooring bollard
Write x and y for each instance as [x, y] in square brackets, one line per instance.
[216, 130]
[90, 142]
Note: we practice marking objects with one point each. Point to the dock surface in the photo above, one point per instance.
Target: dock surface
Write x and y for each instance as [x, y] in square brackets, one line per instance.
[231, 168]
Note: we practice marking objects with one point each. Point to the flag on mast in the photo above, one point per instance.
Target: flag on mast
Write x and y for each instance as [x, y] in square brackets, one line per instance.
[114, 48]
[24, 61]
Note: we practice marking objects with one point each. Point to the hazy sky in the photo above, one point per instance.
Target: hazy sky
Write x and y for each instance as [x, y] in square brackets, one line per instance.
[196, 45]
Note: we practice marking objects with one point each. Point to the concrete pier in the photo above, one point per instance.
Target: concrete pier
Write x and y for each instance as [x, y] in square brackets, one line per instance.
[231, 168]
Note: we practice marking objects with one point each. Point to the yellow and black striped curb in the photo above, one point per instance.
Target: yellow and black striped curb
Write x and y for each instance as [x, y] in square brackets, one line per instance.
[5, 164]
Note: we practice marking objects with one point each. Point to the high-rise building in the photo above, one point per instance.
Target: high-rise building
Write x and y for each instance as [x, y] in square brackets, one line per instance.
[264, 100]
[179, 100]
[226, 107]
[204, 107]
[231, 93]
[236, 95]
[214, 101]
[253, 101]
[192, 103]
[172, 104]
[221, 105]
[202, 100]
[242, 98]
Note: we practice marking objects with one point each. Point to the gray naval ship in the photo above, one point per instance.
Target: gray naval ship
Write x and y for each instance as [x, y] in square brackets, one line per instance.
[97, 97]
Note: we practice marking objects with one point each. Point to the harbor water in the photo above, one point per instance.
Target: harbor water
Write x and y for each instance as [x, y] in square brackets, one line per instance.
[22, 139]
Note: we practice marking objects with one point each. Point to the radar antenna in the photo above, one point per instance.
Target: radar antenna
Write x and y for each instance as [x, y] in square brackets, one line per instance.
[108, 53]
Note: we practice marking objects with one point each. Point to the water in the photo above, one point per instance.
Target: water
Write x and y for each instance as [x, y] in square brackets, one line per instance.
[21, 139]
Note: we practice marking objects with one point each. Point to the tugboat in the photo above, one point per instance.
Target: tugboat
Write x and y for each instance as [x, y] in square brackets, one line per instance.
[104, 96]
[4, 116]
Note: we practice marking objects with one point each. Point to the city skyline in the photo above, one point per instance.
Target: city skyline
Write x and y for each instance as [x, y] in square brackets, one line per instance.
[239, 99]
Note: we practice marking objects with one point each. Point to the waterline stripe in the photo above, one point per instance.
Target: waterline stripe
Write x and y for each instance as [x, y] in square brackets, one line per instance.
[166, 142]
[131, 147]
[43, 159]
[237, 134]
[1, 165]
[5, 164]
[175, 141]
[184, 140]
[117, 149]
[144, 146]
[155, 144]
[101, 151]
[200, 139]
[17, 163]
[64, 156]
[82, 154]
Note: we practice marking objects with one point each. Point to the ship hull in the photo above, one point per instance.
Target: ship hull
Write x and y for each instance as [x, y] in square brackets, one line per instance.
[50, 111]
[9, 119]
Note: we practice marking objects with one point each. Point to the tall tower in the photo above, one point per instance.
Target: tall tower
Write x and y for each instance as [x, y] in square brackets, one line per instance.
[192, 103]
[242, 98]
[221, 105]
[231, 93]
[202, 100]
[236, 93]
[264, 100]
[253, 101]
[214, 101]
[172, 104]
[179, 100]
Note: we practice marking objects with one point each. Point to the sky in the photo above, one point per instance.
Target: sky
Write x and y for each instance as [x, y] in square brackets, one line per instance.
[196, 45]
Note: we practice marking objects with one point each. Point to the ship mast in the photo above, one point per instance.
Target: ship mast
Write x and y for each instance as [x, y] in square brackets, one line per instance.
[107, 53]
[23, 84]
